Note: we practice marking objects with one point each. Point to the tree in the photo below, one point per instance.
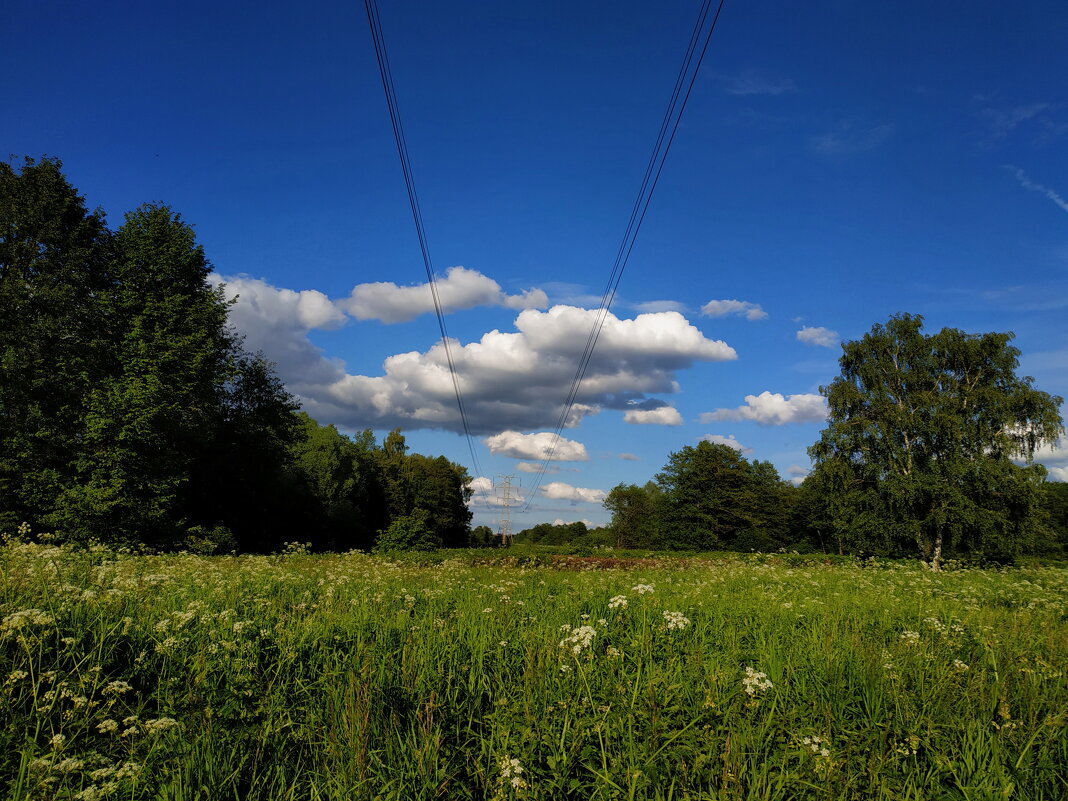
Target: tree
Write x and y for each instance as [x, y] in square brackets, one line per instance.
[635, 515]
[165, 367]
[708, 497]
[920, 440]
[128, 409]
[55, 259]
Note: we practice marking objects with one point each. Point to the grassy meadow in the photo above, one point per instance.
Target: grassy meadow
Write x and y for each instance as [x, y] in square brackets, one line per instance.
[475, 676]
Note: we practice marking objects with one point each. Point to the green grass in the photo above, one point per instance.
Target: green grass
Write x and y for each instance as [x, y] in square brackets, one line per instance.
[443, 676]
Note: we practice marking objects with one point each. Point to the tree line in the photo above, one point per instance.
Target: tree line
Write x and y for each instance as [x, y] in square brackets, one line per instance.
[130, 412]
[926, 453]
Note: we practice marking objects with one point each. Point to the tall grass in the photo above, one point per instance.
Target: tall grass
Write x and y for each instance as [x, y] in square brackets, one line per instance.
[359, 677]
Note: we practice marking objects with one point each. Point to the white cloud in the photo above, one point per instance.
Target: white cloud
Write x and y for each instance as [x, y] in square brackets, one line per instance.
[561, 491]
[561, 522]
[461, 288]
[773, 408]
[729, 441]
[1027, 183]
[630, 457]
[818, 335]
[536, 446]
[797, 474]
[277, 321]
[535, 467]
[1058, 473]
[742, 308]
[662, 415]
[518, 381]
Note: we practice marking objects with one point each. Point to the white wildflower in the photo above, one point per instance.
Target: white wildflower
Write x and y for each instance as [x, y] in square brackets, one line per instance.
[754, 681]
[676, 620]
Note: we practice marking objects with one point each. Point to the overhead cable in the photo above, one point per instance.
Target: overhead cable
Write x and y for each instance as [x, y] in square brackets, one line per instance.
[691, 66]
[413, 199]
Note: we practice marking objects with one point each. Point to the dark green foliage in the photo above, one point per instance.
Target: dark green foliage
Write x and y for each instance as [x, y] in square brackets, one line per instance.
[917, 455]
[411, 532]
[636, 515]
[55, 260]
[709, 497]
[1055, 505]
[129, 411]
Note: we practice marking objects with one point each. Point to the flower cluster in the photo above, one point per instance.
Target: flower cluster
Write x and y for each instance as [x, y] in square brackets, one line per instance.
[579, 639]
[617, 602]
[676, 620]
[512, 773]
[642, 589]
[754, 681]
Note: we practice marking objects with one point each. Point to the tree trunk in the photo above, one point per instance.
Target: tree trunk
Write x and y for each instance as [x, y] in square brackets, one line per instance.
[936, 556]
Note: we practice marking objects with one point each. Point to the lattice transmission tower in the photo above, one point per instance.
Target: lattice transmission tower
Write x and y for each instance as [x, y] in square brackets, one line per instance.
[504, 505]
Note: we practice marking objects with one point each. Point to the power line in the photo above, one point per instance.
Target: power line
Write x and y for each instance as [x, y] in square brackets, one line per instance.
[377, 37]
[668, 127]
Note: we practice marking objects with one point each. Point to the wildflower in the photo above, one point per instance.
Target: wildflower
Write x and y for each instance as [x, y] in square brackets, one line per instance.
[15, 675]
[910, 637]
[958, 665]
[642, 589]
[512, 773]
[617, 602]
[755, 681]
[579, 639]
[57, 741]
[676, 620]
[108, 726]
[116, 688]
[160, 725]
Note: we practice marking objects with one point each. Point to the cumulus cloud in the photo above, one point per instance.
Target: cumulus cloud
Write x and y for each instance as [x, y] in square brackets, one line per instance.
[277, 321]
[729, 441]
[461, 288]
[818, 335]
[741, 308]
[536, 446]
[518, 381]
[797, 474]
[561, 491]
[662, 415]
[561, 522]
[535, 467]
[1055, 459]
[775, 409]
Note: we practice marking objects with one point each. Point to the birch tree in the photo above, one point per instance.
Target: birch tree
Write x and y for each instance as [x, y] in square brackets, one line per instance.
[922, 436]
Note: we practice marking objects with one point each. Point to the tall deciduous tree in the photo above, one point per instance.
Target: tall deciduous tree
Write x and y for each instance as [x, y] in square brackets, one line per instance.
[55, 259]
[708, 497]
[921, 436]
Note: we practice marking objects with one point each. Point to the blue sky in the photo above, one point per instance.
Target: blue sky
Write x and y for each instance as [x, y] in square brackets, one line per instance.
[838, 162]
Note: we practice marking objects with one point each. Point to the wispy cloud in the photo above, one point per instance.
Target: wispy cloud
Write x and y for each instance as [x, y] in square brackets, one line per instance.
[1027, 183]
[1003, 121]
[750, 82]
[850, 141]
